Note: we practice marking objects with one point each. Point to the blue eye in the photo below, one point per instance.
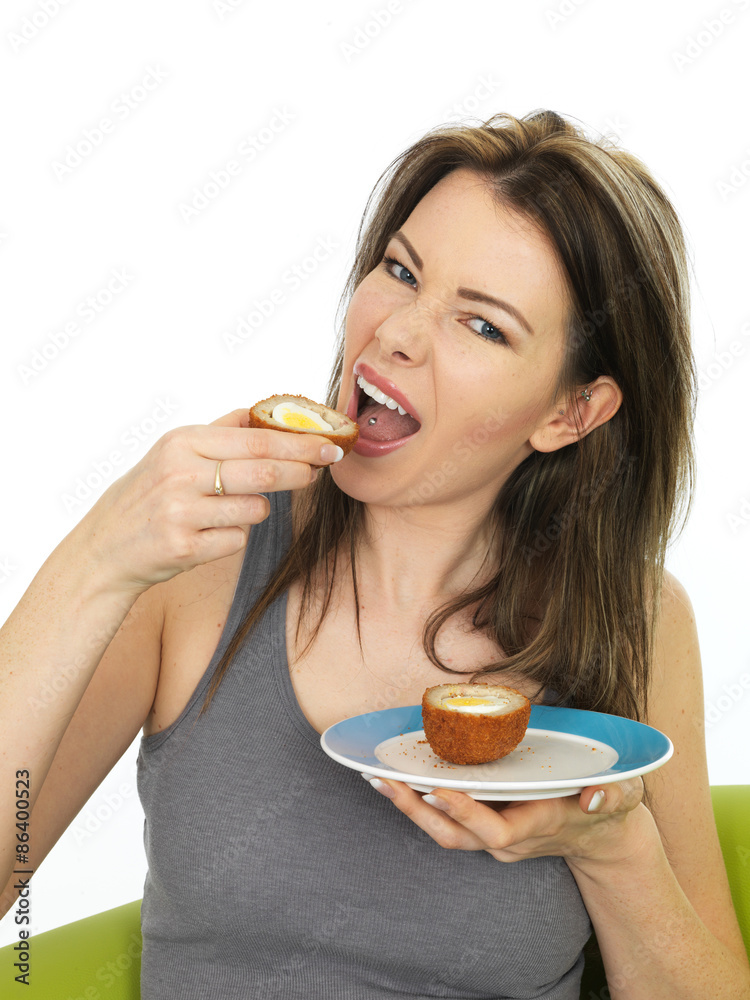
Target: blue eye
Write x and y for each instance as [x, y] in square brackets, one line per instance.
[488, 330]
[390, 262]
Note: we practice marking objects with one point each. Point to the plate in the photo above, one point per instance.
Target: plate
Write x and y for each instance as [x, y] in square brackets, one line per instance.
[564, 751]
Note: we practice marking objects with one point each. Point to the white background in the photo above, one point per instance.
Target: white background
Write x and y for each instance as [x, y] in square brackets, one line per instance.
[184, 84]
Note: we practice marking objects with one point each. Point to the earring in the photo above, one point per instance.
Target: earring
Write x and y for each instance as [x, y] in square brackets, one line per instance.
[586, 393]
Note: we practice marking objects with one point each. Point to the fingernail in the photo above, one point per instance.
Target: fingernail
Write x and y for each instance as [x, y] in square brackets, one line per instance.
[382, 787]
[597, 801]
[433, 800]
[331, 453]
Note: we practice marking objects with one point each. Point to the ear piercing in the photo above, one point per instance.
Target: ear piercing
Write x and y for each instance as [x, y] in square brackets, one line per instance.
[586, 393]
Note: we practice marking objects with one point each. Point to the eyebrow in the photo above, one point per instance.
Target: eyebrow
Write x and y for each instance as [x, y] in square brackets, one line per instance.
[467, 293]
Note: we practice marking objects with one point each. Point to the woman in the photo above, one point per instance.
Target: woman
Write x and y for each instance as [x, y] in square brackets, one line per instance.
[521, 294]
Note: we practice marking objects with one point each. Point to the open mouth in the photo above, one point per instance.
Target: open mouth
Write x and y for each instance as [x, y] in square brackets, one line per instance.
[381, 418]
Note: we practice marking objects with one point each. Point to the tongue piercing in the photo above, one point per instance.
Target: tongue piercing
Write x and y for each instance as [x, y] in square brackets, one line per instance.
[372, 420]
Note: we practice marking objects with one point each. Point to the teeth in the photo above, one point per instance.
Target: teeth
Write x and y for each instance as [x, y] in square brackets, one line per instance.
[378, 395]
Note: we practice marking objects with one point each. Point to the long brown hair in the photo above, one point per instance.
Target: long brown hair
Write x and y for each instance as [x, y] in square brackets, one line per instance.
[575, 596]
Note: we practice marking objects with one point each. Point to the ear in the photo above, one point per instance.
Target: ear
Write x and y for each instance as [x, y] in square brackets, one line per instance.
[569, 422]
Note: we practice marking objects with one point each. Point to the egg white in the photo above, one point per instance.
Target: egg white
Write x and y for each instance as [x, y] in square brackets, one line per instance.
[490, 704]
[285, 413]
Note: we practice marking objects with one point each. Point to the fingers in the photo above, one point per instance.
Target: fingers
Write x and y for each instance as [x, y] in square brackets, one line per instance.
[261, 476]
[524, 829]
[220, 443]
[164, 516]
[230, 511]
[216, 543]
[458, 822]
[442, 828]
[252, 460]
[607, 800]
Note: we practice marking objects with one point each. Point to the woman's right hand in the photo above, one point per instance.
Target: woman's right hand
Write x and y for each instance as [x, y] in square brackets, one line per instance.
[163, 516]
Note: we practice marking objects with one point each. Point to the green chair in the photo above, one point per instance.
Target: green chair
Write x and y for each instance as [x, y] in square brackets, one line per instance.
[99, 957]
[91, 959]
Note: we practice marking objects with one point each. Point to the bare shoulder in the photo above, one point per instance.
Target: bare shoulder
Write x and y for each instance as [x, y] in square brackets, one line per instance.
[676, 687]
[676, 606]
[676, 645]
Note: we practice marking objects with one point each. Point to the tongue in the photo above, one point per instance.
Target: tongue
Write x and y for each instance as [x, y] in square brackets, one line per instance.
[389, 424]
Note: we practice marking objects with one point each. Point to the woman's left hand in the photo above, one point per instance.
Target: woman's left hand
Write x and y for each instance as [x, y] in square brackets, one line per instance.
[514, 831]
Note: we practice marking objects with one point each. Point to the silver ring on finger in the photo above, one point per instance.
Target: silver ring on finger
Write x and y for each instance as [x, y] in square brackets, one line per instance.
[218, 485]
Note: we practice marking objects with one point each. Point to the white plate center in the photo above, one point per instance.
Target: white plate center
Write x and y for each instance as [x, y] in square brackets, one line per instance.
[542, 755]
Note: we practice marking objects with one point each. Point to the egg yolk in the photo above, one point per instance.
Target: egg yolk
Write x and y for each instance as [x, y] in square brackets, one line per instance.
[300, 420]
[465, 702]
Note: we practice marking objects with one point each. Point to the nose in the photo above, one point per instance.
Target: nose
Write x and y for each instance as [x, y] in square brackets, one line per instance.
[405, 335]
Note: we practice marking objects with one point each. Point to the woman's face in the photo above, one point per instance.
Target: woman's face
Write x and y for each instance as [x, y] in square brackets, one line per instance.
[478, 376]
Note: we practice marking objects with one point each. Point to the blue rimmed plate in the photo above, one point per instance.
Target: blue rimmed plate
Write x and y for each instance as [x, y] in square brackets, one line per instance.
[564, 750]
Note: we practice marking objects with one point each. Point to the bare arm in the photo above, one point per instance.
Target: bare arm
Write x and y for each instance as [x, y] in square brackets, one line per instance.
[49, 649]
[109, 715]
[158, 520]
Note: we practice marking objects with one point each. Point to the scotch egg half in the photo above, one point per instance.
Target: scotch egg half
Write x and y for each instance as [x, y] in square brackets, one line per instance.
[301, 415]
[474, 723]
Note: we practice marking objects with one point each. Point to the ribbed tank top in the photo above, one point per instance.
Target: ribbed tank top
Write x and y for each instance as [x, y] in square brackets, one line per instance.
[275, 872]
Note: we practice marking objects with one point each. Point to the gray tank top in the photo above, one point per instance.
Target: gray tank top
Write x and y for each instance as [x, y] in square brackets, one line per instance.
[275, 872]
